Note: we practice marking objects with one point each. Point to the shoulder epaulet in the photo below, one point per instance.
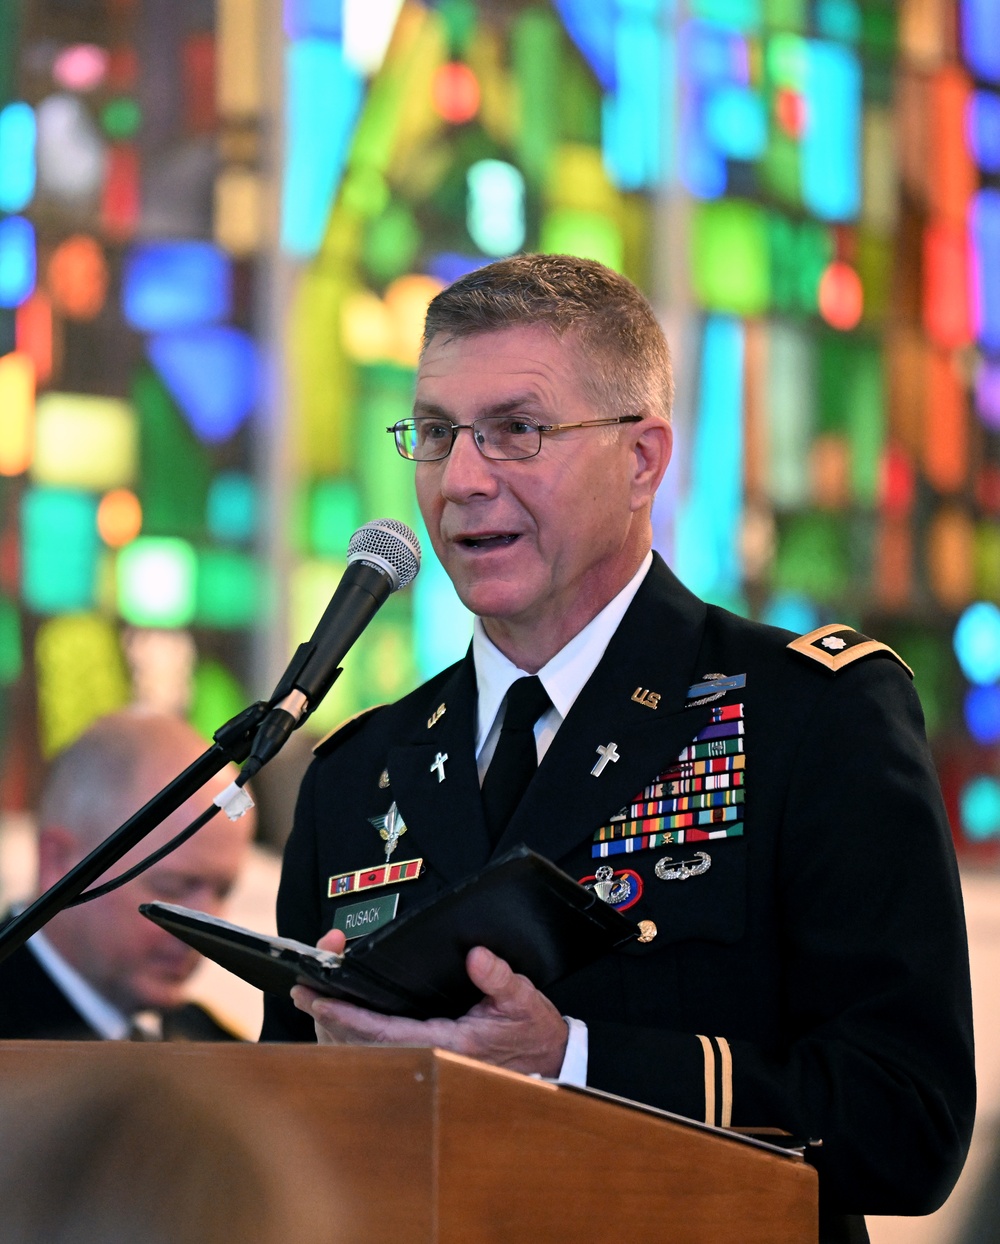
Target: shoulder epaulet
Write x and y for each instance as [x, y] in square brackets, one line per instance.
[836, 646]
[340, 734]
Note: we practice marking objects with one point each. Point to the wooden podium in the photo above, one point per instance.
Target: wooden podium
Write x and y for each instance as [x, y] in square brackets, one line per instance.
[431, 1148]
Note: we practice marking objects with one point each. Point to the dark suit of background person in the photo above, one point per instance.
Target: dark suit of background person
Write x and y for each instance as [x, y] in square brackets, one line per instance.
[33, 1007]
[815, 976]
[101, 964]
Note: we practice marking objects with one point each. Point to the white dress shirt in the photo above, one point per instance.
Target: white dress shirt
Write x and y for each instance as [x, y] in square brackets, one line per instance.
[563, 678]
[105, 1019]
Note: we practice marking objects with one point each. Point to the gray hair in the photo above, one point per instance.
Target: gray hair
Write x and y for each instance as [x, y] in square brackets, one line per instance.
[609, 322]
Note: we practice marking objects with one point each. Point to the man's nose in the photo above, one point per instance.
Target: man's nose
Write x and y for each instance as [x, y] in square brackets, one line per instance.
[466, 472]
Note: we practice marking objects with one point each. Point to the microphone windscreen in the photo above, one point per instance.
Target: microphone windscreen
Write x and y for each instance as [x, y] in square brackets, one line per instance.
[389, 544]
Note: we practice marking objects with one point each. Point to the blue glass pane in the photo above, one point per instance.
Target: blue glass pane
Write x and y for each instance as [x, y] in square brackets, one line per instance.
[172, 285]
[981, 38]
[979, 809]
[314, 17]
[982, 714]
[211, 373]
[591, 26]
[449, 266]
[232, 506]
[17, 157]
[986, 247]
[60, 549]
[736, 123]
[17, 260]
[831, 143]
[634, 117]
[984, 130]
[792, 613]
[977, 643]
[324, 98]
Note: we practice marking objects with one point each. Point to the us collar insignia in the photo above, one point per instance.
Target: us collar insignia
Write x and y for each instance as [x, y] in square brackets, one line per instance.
[391, 828]
[649, 699]
[713, 687]
[371, 878]
[436, 716]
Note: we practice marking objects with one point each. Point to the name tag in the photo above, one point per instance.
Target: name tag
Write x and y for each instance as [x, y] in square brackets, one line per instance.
[359, 918]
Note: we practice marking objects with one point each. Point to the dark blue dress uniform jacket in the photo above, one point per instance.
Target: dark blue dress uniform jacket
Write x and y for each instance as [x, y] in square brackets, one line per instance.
[815, 978]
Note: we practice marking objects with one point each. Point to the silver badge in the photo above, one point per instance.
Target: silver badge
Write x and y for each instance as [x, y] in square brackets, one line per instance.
[666, 870]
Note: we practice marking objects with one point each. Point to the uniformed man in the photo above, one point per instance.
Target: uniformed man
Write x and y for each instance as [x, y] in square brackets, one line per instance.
[766, 804]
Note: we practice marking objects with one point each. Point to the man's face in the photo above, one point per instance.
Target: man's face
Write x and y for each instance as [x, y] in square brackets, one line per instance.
[129, 960]
[540, 544]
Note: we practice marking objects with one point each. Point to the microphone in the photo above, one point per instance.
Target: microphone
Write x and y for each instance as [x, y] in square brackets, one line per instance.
[382, 557]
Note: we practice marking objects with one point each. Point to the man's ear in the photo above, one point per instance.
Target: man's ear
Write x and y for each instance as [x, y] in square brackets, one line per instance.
[652, 446]
[58, 852]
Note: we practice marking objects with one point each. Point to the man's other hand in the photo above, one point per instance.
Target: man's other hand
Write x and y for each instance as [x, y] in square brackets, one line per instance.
[512, 1026]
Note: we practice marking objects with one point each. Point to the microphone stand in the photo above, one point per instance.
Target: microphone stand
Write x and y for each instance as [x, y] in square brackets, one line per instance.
[233, 743]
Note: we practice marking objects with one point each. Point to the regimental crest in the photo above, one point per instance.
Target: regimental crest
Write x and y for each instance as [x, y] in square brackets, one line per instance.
[835, 646]
[391, 828]
[699, 797]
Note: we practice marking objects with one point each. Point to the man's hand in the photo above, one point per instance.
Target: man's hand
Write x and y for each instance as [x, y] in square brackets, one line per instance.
[512, 1026]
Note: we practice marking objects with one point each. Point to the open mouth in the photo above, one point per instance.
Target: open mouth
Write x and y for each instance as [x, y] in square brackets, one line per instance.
[488, 542]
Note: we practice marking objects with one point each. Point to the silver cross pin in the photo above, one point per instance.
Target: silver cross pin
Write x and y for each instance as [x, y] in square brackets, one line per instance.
[438, 765]
[607, 753]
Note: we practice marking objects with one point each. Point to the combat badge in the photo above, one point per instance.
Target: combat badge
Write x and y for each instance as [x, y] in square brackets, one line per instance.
[666, 870]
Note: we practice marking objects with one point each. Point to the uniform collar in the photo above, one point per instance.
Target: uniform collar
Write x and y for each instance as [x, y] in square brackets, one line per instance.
[565, 675]
[105, 1019]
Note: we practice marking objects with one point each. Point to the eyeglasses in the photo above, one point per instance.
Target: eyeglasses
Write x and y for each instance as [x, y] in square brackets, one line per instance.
[504, 438]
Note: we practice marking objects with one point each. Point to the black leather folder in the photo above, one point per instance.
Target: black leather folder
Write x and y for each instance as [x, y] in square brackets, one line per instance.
[520, 906]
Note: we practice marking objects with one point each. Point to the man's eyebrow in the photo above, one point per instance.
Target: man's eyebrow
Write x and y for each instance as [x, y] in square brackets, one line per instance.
[508, 406]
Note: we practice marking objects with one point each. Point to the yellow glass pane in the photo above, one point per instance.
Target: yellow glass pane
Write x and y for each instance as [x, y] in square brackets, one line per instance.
[81, 676]
[17, 404]
[84, 442]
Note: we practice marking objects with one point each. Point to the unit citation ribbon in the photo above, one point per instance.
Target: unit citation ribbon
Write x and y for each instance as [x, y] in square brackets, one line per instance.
[699, 797]
[372, 878]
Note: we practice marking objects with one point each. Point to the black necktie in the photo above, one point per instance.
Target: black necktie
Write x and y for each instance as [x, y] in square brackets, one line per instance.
[516, 757]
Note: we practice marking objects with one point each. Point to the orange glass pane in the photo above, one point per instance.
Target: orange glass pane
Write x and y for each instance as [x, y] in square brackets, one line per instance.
[830, 468]
[17, 408]
[951, 547]
[841, 300]
[199, 83]
[946, 441]
[988, 488]
[33, 333]
[893, 570]
[78, 277]
[947, 304]
[455, 92]
[907, 392]
[951, 171]
[119, 517]
[120, 200]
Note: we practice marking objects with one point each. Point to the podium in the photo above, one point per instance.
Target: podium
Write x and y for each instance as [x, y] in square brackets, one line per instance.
[431, 1148]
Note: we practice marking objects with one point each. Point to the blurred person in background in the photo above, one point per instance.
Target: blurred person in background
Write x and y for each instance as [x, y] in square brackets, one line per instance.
[134, 1154]
[101, 970]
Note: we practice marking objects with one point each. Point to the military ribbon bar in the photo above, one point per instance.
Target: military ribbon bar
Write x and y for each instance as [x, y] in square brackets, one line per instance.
[372, 878]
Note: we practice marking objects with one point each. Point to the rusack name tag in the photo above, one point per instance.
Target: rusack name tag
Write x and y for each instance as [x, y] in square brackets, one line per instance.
[359, 918]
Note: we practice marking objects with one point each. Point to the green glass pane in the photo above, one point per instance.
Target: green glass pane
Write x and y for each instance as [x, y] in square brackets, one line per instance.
[232, 506]
[987, 561]
[121, 118]
[838, 19]
[730, 261]
[385, 397]
[813, 557]
[536, 53]
[365, 191]
[391, 242]
[227, 592]
[783, 237]
[788, 15]
[787, 59]
[875, 262]
[591, 235]
[935, 673]
[386, 654]
[10, 642]
[791, 399]
[814, 252]
[175, 471]
[60, 548]
[216, 696]
[156, 582]
[459, 18]
[334, 516]
[742, 15]
[852, 403]
[780, 170]
[878, 25]
[11, 14]
[579, 104]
